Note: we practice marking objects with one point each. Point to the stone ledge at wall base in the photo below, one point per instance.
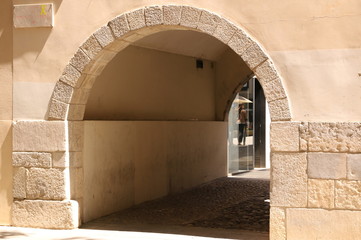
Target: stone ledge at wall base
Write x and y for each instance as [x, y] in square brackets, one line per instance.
[45, 214]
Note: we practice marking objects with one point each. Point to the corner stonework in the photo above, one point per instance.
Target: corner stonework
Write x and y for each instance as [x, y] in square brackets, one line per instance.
[41, 179]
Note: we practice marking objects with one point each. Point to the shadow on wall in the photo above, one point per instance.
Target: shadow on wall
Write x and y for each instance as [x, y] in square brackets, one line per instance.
[5, 32]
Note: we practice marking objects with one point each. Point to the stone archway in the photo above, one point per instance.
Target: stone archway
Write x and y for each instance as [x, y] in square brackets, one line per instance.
[72, 89]
[48, 174]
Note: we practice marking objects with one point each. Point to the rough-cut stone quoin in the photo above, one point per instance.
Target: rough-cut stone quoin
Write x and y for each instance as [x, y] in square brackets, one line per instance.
[333, 137]
[45, 214]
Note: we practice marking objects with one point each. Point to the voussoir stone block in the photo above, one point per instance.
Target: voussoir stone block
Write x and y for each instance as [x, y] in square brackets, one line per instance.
[254, 56]
[45, 214]
[70, 75]
[46, 183]
[277, 223]
[327, 165]
[334, 137]
[224, 31]
[32, 159]
[91, 47]
[354, 166]
[38, 136]
[240, 42]
[57, 110]
[19, 182]
[63, 92]
[119, 26]
[208, 22]
[321, 193]
[190, 16]
[274, 90]
[104, 36]
[266, 72]
[285, 136]
[80, 60]
[306, 224]
[348, 194]
[153, 15]
[289, 180]
[136, 19]
[172, 14]
[279, 109]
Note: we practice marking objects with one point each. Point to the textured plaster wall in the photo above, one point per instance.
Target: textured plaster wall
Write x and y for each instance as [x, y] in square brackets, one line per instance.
[6, 196]
[129, 162]
[6, 43]
[141, 84]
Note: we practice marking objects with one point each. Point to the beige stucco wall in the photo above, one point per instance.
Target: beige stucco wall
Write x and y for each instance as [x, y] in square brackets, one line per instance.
[6, 43]
[129, 162]
[315, 47]
[316, 39]
[142, 83]
[6, 196]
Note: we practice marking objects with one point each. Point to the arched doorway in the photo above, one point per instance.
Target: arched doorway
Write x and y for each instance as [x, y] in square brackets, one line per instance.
[68, 103]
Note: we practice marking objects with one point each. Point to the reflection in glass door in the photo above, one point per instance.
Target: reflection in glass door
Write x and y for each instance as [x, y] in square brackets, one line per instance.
[243, 136]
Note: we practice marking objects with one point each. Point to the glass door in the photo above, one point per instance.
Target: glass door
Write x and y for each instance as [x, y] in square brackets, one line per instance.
[240, 131]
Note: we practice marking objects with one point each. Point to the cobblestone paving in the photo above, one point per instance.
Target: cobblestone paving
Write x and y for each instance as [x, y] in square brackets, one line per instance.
[226, 203]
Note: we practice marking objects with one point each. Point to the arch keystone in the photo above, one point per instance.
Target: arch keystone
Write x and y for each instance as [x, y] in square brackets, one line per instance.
[172, 14]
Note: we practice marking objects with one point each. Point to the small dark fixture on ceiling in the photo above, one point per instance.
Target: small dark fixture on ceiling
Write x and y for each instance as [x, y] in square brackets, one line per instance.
[199, 63]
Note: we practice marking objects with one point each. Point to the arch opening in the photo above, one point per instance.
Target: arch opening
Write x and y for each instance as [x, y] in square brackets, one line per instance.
[70, 98]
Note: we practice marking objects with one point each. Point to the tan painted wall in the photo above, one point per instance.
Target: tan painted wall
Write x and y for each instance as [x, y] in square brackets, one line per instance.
[141, 84]
[6, 194]
[6, 105]
[310, 43]
[128, 162]
[6, 43]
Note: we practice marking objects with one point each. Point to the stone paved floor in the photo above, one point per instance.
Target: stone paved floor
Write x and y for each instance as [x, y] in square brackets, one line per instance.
[227, 208]
[226, 205]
